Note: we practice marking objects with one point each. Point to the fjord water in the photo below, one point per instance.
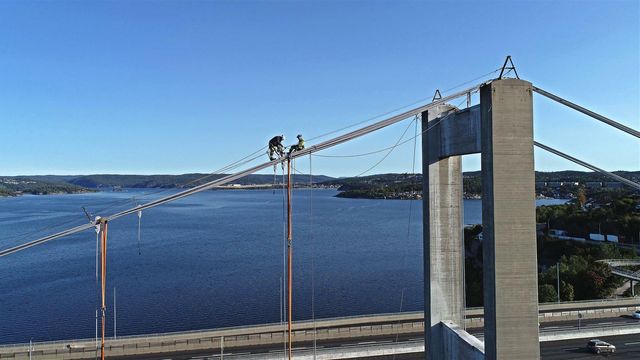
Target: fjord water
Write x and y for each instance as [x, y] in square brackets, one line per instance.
[211, 260]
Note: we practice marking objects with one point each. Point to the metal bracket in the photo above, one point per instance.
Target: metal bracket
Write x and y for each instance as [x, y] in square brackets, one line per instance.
[436, 96]
[509, 68]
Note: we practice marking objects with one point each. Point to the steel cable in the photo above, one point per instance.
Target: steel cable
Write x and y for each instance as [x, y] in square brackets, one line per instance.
[226, 179]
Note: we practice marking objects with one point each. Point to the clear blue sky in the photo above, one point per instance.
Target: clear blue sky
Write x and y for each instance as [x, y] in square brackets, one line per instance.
[176, 86]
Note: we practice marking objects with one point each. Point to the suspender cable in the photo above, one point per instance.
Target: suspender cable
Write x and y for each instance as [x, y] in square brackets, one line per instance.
[284, 262]
[103, 258]
[97, 286]
[289, 255]
[628, 182]
[313, 260]
[226, 179]
[588, 112]
[139, 225]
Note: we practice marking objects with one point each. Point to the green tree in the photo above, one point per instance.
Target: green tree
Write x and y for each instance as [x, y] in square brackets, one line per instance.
[566, 291]
[547, 293]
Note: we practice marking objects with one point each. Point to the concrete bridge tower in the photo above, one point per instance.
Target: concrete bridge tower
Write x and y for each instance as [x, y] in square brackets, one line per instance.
[501, 129]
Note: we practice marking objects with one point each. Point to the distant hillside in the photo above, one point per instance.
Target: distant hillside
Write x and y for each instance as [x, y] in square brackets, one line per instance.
[573, 176]
[13, 186]
[168, 181]
[403, 186]
[381, 185]
[584, 176]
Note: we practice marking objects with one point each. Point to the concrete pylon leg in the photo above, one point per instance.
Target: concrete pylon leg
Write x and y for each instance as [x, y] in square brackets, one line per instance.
[442, 232]
[508, 217]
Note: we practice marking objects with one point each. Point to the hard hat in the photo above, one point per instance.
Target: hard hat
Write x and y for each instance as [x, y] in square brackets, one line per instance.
[299, 136]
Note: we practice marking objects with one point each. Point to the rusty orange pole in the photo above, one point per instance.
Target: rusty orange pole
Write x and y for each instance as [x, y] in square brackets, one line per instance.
[290, 251]
[104, 281]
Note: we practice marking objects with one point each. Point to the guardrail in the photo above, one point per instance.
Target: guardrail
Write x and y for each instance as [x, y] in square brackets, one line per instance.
[329, 329]
[324, 329]
[589, 332]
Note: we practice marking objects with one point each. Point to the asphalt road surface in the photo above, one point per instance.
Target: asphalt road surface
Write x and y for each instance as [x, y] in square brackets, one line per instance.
[627, 346]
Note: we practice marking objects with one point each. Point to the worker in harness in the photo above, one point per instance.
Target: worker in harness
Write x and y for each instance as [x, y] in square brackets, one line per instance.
[297, 147]
[276, 147]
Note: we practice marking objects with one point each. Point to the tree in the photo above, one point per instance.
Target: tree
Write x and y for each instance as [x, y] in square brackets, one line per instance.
[581, 196]
[547, 293]
[595, 283]
[566, 291]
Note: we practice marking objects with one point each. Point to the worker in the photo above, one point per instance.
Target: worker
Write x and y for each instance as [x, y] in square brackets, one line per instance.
[297, 147]
[276, 147]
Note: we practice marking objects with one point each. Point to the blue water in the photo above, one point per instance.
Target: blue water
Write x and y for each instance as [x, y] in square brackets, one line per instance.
[212, 260]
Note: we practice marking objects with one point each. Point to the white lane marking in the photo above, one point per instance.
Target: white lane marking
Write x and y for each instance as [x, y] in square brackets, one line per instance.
[367, 343]
[633, 343]
[551, 327]
[605, 323]
[348, 345]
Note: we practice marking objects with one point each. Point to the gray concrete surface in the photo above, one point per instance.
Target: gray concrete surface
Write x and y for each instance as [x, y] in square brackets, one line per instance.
[442, 234]
[460, 345]
[456, 134]
[509, 229]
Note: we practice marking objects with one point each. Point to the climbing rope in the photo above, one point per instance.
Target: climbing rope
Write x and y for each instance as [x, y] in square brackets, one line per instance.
[289, 259]
[413, 171]
[139, 224]
[103, 272]
[274, 181]
[388, 153]
[405, 248]
[399, 320]
[284, 263]
[97, 294]
[313, 258]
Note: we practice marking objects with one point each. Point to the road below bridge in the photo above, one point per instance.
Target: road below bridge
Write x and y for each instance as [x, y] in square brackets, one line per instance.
[628, 346]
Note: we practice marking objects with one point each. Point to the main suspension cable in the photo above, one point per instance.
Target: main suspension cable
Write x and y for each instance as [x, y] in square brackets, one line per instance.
[117, 203]
[588, 166]
[403, 107]
[226, 179]
[392, 146]
[588, 112]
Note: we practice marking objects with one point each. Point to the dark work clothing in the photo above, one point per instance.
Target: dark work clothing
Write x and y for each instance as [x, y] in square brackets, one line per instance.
[275, 141]
[275, 147]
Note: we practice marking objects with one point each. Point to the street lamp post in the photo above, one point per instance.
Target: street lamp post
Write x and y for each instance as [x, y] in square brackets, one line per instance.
[558, 278]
